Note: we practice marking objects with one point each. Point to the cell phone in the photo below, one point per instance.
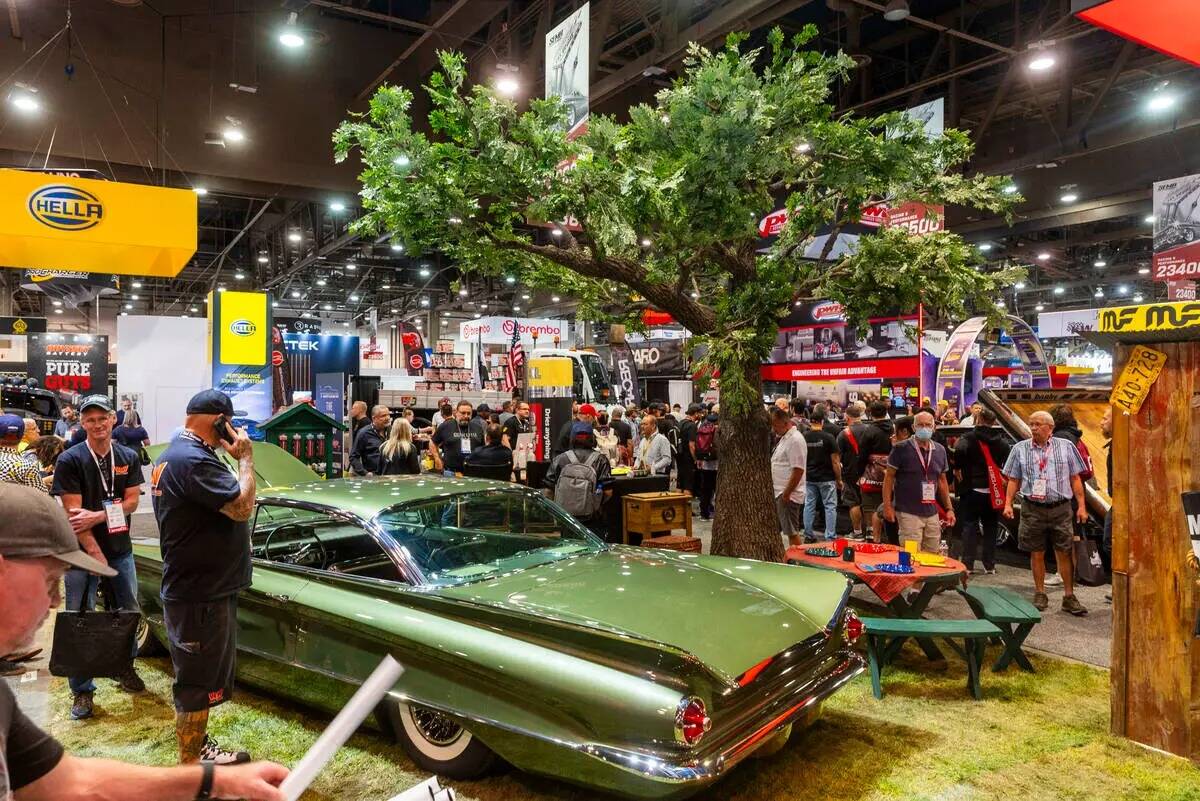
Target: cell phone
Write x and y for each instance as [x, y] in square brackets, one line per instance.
[224, 430]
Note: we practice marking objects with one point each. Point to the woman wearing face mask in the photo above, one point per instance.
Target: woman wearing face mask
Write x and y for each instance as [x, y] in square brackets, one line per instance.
[915, 483]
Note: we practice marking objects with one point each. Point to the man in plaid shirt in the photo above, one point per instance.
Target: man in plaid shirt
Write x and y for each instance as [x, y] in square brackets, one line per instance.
[1046, 469]
[15, 469]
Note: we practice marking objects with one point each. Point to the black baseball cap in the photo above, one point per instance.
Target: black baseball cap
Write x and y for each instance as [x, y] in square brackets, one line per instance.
[95, 401]
[694, 408]
[36, 526]
[210, 401]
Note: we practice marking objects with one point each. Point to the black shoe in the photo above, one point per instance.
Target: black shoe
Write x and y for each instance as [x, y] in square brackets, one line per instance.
[81, 706]
[131, 682]
[211, 752]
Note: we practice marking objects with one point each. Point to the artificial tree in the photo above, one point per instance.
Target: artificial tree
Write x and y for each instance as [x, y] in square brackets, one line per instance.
[663, 210]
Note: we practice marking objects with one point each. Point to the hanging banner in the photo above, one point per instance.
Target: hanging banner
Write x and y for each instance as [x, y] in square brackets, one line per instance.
[499, 331]
[413, 342]
[1176, 229]
[623, 368]
[20, 326]
[1181, 290]
[1052, 325]
[298, 325]
[69, 362]
[817, 334]
[71, 287]
[1150, 317]
[52, 222]
[567, 67]
[240, 353]
[660, 357]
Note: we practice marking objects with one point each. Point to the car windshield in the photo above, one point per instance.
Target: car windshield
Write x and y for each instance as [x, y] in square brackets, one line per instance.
[456, 539]
[598, 375]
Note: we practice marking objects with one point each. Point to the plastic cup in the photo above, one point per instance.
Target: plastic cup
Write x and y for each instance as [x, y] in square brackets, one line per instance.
[911, 546]
[840, 544]
[905, 559]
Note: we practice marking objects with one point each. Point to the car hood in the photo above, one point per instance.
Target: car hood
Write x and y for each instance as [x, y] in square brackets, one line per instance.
[730, 614]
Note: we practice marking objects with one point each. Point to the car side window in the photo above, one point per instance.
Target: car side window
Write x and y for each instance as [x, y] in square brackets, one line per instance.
[324, 540]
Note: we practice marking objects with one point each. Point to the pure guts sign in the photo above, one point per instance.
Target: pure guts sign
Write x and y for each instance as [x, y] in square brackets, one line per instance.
[70, 362]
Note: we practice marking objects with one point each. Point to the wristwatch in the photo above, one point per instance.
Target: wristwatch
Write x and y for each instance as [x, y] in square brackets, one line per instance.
[206, 781]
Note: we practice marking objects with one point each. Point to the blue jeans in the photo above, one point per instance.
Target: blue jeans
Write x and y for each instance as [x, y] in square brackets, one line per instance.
[124, 587]
[826, 492]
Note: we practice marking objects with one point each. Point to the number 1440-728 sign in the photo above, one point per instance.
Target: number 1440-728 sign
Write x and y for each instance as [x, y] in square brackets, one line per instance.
[1140, 373]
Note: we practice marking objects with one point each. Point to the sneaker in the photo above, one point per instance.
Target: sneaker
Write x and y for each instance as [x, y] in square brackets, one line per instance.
[1041, 601]
[1071, 604]
[211, 752]
[81, 706]
[857, 536]
[989, 571]
[809, 540]
[131, 682]
[1053, 580]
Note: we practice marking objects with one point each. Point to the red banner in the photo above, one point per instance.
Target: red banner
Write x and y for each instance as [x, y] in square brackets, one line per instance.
[1181, 290]
[843, 370]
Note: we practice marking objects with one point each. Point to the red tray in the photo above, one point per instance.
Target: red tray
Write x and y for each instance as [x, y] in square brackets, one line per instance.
[872, 547]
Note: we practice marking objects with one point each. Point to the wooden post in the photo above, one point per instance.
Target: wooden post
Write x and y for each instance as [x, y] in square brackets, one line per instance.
[1155, 657]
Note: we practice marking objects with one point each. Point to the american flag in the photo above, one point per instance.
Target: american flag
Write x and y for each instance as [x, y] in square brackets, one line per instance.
[516, 357]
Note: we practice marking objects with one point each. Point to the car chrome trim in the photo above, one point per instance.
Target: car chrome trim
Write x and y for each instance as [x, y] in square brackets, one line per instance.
[840, 609]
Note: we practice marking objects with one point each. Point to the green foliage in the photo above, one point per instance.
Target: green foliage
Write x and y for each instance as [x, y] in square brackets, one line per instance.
[692, 174]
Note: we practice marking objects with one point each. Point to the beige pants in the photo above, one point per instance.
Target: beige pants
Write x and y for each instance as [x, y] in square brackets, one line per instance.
[926, 531]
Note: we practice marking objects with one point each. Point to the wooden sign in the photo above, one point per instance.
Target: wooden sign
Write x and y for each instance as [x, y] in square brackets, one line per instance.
[1140, 373]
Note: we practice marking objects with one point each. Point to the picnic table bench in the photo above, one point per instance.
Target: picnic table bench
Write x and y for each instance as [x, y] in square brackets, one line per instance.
[1011, 614]
[886, 636]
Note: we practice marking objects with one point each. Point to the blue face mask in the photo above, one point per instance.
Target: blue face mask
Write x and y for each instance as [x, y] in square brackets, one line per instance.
[924, 433]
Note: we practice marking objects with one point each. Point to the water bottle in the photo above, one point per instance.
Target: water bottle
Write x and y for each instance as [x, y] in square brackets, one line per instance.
[944, 550]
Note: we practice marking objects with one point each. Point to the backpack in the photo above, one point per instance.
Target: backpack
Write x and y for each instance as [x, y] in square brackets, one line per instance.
[672, 434]
[706, 440]
[575, 489]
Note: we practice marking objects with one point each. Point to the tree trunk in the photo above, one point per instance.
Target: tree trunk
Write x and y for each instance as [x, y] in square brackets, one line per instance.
[746, 524]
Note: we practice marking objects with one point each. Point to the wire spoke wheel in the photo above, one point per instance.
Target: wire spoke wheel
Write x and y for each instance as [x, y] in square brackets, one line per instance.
[436, 727]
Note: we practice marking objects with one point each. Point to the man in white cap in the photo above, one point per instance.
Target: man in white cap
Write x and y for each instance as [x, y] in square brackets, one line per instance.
[37, 546]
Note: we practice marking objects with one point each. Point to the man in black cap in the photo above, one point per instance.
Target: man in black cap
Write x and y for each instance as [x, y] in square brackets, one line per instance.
[685, 462]
[99, 482]
[37, 546]
[202, 512]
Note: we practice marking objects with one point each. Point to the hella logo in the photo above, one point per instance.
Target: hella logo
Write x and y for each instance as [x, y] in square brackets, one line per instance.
[66, 208]
[243, 328]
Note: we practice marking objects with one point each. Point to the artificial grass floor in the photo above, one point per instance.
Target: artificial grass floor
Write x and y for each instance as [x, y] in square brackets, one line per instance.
[1039, 736]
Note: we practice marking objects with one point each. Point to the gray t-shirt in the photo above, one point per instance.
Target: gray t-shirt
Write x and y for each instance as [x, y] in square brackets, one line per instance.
[912, 471]
[26, 752]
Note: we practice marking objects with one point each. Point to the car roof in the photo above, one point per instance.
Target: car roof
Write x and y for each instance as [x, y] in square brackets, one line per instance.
[366, 497]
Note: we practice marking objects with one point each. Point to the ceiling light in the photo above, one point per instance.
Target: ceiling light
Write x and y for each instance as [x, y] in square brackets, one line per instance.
[396, 246]
[509, 279]
[1099, 292]
[337, 206]
[1041, 60]
[137, 284]
[393, 326]
[1143, 271]
[386, 286]
[1043, 256]
[554, 299]
[645, 242]
[295, 293]
[135, 297]
[327, 307]
[695, 295]
[233, 134]
[1058, 290]
[423, 272]
[1137, 298]
[23, 101]
[516, 308]
[274, 304]
[1099, 263]
[346, 324]
[1122, 290]
[354, 298]
[220, 289]
[445, 314]
[294, 236]
[896, 11]
[483, 305]
[985, 246]
[1149, 219]
[291, 37]
[321, 282]
[129, 305]
[1039, 307]
[1011, 189]
[123, 314]
[507, 85]
[263, 259]
[525, 297]
[463, 292]
[454, 220]
[239, 276]
[1161, 101]
[424, 301]
[200, 190]
[56, 302]
[1019, 285]
[477, 315]
[555, 232]
[1069, 197]
[193, 309]
[401, 160]
[351, 266]
[306, 314]
[1001, 304]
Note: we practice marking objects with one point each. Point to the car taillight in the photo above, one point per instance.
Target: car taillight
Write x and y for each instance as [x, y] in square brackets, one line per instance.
[691, 721]
[854, 627]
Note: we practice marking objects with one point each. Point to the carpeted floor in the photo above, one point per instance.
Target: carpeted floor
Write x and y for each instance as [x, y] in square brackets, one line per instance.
[1039, 736]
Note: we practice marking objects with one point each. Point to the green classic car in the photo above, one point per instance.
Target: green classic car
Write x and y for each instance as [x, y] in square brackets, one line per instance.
[646, 673]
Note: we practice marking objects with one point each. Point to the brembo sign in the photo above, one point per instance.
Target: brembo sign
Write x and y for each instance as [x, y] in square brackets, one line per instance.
[499, 330]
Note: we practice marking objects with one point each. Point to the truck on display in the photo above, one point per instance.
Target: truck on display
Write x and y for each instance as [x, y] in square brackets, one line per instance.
[1177, 222]
[590, 383]
[24, 398]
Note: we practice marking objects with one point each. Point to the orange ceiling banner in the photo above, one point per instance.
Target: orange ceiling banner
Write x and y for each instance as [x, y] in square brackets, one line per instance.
[1168, 26]
[53, 222]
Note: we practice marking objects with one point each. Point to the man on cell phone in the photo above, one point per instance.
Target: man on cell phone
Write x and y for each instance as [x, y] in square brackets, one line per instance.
[202, 510]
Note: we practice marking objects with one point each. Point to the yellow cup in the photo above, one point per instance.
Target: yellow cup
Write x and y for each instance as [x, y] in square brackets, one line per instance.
[911, 546]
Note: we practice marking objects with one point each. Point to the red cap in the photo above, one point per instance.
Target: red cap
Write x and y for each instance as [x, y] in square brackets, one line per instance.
[588, 408]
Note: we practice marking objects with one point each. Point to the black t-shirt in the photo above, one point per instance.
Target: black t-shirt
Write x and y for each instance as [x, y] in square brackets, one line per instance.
[401, 463]
[76, 473]
[623, 430]
[130, 437]
[514, 426]
[491, 456]
[206, 555]
[687, 434]
[449, 437]
[26, 752]
[849, 452]
[821, 448]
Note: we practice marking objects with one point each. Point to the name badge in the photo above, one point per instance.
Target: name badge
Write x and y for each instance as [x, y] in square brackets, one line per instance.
[928, 492]
[1039, 489]
[116, 518]
[464, 443]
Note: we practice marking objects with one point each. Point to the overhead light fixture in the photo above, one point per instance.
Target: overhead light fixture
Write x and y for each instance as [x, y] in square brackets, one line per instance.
[424, 301]
[1143, 271]
[239, 276]
[386, 286]
[294, 236]
[291, 37]
[233, 134]
[1019, 285]
[354, 298]
[1069, 197]
[321, 282]
[220, 289]
[24, 102]
[1039, 307]
[477, 315]
[295, 293]
[1010, 189]
[1137, 298]
[337, 207]
[56, 302]
[396, 246]
[1001, 304]
[345, 324]
[525, 297]
[137, 285]
[896, 11]
[1040, 58]
[274, 304]
[135, 297]
[327, 307]
[985, 246]
[123, 314]
[423, 272]
[516, 308]
[193, 309]
[129, 305]
[483, 305]
[1122, 290]
[510, 279]
[351, 266]
[1058, 290]
[554, 299]
[401, 160]
[1161, 100]
[507, 85]
[1099, 263]
[306, 314]
[555, 232]
[1149, 219]
[1099, 292]
[646, 242]
[1043, 256]
[264, 259]
[463, 292]
[200, 190]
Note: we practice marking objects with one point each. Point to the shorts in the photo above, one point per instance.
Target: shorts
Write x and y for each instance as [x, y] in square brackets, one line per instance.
[926, 531]
[203, 641]
[869, 501]
[851, 495]
[1038, 521]
[790, 516]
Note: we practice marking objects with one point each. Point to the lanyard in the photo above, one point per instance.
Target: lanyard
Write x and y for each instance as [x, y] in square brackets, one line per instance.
[1044, 457]
[109, 489]
[925, 459]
